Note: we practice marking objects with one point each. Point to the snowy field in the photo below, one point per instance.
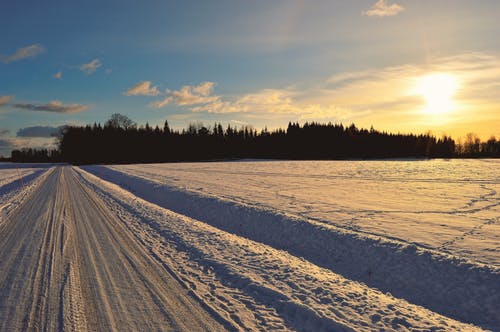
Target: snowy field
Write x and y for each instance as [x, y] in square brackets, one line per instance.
[425, 231]
[14, 182]
[12, 172]
[239, 246]
[451, 206]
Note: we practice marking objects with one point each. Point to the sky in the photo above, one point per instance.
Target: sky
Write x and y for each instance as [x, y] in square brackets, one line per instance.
[399, 66]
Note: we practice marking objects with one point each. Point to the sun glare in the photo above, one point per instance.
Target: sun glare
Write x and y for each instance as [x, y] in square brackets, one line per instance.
[438, 91]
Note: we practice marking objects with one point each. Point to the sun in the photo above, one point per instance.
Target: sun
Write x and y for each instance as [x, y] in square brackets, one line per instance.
[438, 91]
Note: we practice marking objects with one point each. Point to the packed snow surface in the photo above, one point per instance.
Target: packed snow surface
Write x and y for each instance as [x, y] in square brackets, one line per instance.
[68, 263]
[219, 246]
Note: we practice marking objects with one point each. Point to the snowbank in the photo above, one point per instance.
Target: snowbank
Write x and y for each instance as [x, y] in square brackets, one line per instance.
[15, 190]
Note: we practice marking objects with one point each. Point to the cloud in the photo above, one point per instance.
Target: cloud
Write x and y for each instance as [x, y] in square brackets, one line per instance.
[4, 131]
[12, 143]
[382, 9]
[142, 89]
[478, 75]
[161, 103]
[200, 98]
[4, 100]
[276, 102]
[384, 97]
[267, 100]
[189, 95]
[38, 131]
[58, 75]
[204, 89]
[91, 67]
[6, 145]
[389, 96]
[23, 53]
[53, 106]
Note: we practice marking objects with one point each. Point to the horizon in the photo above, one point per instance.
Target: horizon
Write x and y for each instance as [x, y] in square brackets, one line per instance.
[399, 66]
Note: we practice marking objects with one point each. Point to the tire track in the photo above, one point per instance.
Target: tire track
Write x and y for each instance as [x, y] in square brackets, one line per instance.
[67, 264]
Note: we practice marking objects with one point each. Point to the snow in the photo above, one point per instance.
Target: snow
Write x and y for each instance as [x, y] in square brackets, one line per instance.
[308, 246]
[10, 173]
[425, 231]
[253, 286]
[439, 204]
[68, 264]
[16, 182]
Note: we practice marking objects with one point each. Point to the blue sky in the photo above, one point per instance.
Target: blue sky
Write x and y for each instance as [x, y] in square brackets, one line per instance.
[248, 62]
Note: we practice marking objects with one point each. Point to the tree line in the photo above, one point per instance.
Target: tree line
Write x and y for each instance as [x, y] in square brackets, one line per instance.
[120, 140]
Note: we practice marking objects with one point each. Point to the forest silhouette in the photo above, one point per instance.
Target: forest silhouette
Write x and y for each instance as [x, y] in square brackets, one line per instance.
[120, 140]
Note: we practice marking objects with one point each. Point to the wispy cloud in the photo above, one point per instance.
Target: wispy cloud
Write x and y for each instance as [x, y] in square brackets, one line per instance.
[382, 9]
[23, 53]
[200, 98]
[275, 101]
[91, 67]
[53, 106]
[38, 131]
[384, 97]
[4, 100]
[189, 95]
[142, 89]
[271, 100]
[204, 89]
[58, 75]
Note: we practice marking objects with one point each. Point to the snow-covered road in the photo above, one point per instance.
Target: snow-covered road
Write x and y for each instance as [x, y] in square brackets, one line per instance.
[68, 263]
[78, 252]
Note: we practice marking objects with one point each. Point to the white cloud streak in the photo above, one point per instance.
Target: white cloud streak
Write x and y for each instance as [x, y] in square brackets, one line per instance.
[23, 53]
[91, 67]
[142, 89]
[384, 97]
[275, 101]
[382, 9]
[189, 95]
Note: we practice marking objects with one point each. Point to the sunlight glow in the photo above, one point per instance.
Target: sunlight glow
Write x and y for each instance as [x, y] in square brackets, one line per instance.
[438, 91]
